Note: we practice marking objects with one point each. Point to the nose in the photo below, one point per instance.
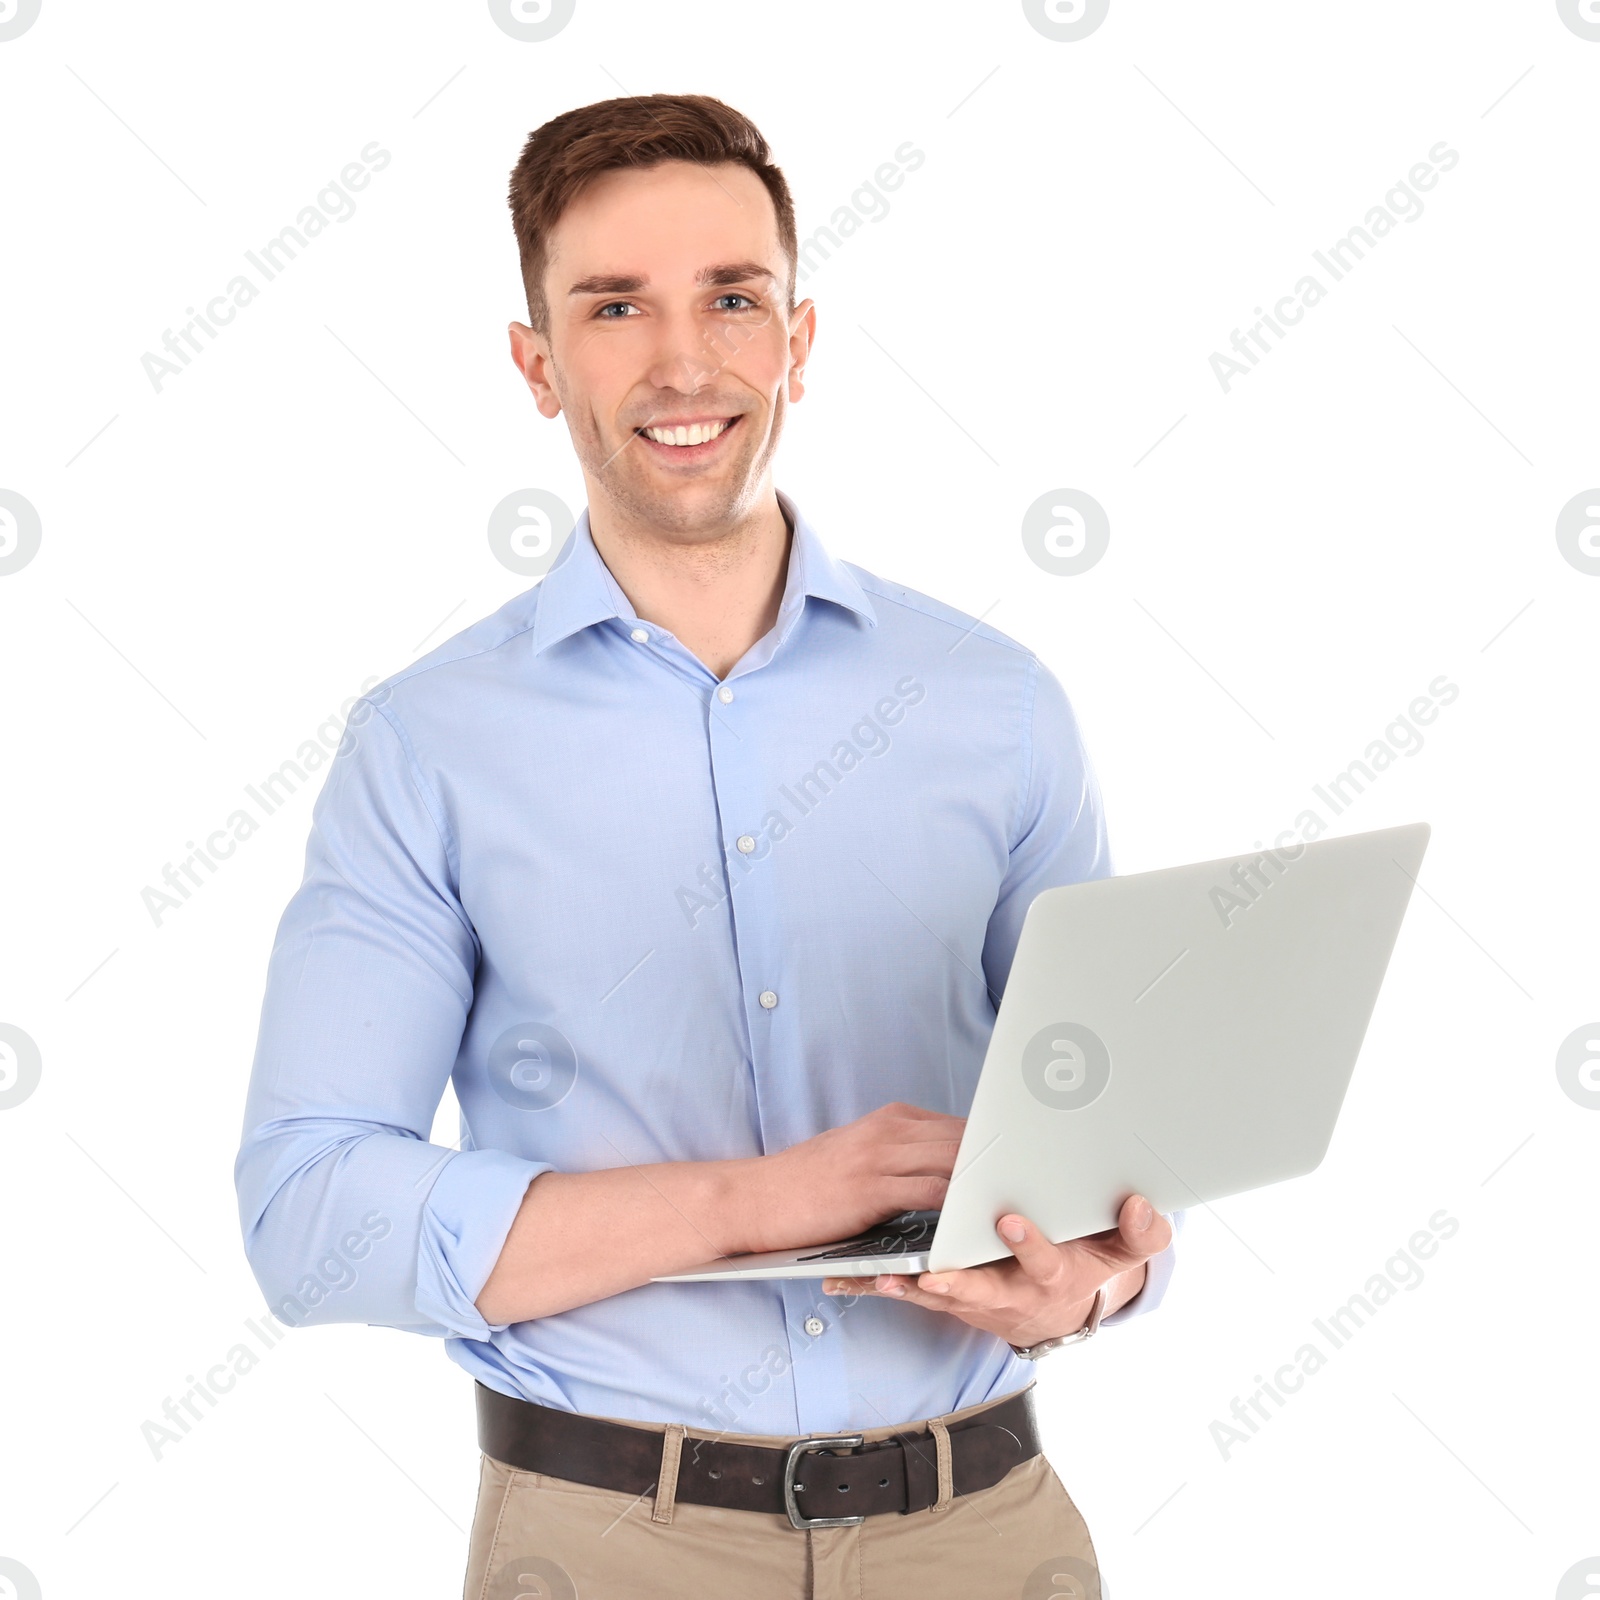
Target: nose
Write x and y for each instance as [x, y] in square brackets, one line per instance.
[684, 358]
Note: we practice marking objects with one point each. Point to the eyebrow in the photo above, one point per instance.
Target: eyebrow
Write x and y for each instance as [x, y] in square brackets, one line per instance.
[720, 276]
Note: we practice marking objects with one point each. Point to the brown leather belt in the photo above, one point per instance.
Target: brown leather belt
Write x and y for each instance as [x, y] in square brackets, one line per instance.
[807, 1478]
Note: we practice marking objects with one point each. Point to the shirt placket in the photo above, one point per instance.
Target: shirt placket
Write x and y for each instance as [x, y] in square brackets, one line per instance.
[734, 731]
[735, 739]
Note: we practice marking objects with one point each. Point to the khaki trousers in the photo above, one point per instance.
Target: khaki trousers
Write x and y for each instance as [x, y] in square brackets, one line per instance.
[540, 1538]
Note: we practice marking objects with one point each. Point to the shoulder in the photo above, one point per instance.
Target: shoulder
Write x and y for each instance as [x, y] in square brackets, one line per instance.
[495, 647]
[905, 609]
[994, 675]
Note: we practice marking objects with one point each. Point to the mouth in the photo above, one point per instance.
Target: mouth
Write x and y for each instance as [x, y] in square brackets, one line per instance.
[690, 441]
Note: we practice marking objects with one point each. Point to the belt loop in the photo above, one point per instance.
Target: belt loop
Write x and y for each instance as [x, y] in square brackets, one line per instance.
[941, 1445]
[667, 1483]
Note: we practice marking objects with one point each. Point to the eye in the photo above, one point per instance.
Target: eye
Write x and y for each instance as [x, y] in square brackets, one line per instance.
[733, 294]
[615, 305]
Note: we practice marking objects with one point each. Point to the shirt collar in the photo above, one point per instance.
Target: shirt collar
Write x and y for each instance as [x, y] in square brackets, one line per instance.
[579, 590]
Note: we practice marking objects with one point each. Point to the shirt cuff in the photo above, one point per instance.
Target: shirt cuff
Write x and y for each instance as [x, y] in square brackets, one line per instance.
[1157, 1274]
[465, 1222]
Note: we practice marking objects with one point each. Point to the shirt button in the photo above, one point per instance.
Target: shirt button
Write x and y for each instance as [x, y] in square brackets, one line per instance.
[768, 999]
[746, 844]
[639, 636]
[725, 694]
[814, 1326]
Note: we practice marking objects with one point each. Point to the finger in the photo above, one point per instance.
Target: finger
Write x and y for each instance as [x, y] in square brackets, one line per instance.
[847, 1287]
[1141, 1230]
[880, 1284]
[917, 1129]
[887, 1286]
[971, 1288]
[897, 1286]
[891, 1285]
[922, 1114]
[1039, 1259]
[924, 1155]
[1136, 1236]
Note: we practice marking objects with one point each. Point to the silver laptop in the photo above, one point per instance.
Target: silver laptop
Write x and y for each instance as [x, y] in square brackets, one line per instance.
[1183, 1034]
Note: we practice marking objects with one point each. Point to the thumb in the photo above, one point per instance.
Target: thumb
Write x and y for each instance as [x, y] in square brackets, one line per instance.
[1142, 1231]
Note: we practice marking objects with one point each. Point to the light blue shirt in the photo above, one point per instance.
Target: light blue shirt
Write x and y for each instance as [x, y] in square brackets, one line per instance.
[638, 915]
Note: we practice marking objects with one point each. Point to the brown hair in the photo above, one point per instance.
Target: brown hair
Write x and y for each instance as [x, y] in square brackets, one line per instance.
[564, 156]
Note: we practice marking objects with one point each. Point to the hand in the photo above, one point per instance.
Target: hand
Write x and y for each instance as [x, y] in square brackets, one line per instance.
[1047, 1289]
[846, 1180]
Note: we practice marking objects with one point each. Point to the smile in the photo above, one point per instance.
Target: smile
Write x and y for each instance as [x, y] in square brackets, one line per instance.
[688, 437]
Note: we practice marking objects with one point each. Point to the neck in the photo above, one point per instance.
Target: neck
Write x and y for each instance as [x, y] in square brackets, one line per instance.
[717, 593]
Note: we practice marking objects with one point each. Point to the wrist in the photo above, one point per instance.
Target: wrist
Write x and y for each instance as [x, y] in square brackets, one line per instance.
[740, 1197]
[1079, 1312]
[1087, 1326]
[1126, 1286]
[1075, 1317]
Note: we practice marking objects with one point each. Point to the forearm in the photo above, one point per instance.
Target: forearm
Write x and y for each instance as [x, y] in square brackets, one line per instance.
[583, 1236]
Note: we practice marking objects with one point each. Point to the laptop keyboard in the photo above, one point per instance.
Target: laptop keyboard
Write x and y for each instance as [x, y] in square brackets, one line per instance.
[900, 1236]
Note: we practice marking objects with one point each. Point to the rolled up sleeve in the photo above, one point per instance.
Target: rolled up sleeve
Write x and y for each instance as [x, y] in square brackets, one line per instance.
[348, 1212]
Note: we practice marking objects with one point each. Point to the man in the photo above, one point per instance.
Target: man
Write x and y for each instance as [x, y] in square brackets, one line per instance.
[698, 868]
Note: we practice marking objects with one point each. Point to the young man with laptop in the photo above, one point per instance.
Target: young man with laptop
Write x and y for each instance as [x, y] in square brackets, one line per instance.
[700, 869]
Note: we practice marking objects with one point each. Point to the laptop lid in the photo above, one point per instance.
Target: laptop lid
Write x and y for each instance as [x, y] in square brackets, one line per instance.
[1183, 1034]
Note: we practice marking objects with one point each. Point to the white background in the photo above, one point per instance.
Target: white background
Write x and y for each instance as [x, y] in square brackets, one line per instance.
[225, 561]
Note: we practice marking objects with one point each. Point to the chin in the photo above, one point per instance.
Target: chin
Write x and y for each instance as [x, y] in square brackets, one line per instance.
[690, 505]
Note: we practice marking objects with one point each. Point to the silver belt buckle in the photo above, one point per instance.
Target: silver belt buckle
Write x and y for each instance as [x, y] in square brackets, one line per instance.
[804, 1447]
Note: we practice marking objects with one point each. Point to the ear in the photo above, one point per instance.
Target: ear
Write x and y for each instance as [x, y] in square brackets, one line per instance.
[531, 353]
[802, 335]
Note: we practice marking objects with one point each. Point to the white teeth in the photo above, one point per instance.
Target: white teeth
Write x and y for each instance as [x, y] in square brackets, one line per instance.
[699, 433]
